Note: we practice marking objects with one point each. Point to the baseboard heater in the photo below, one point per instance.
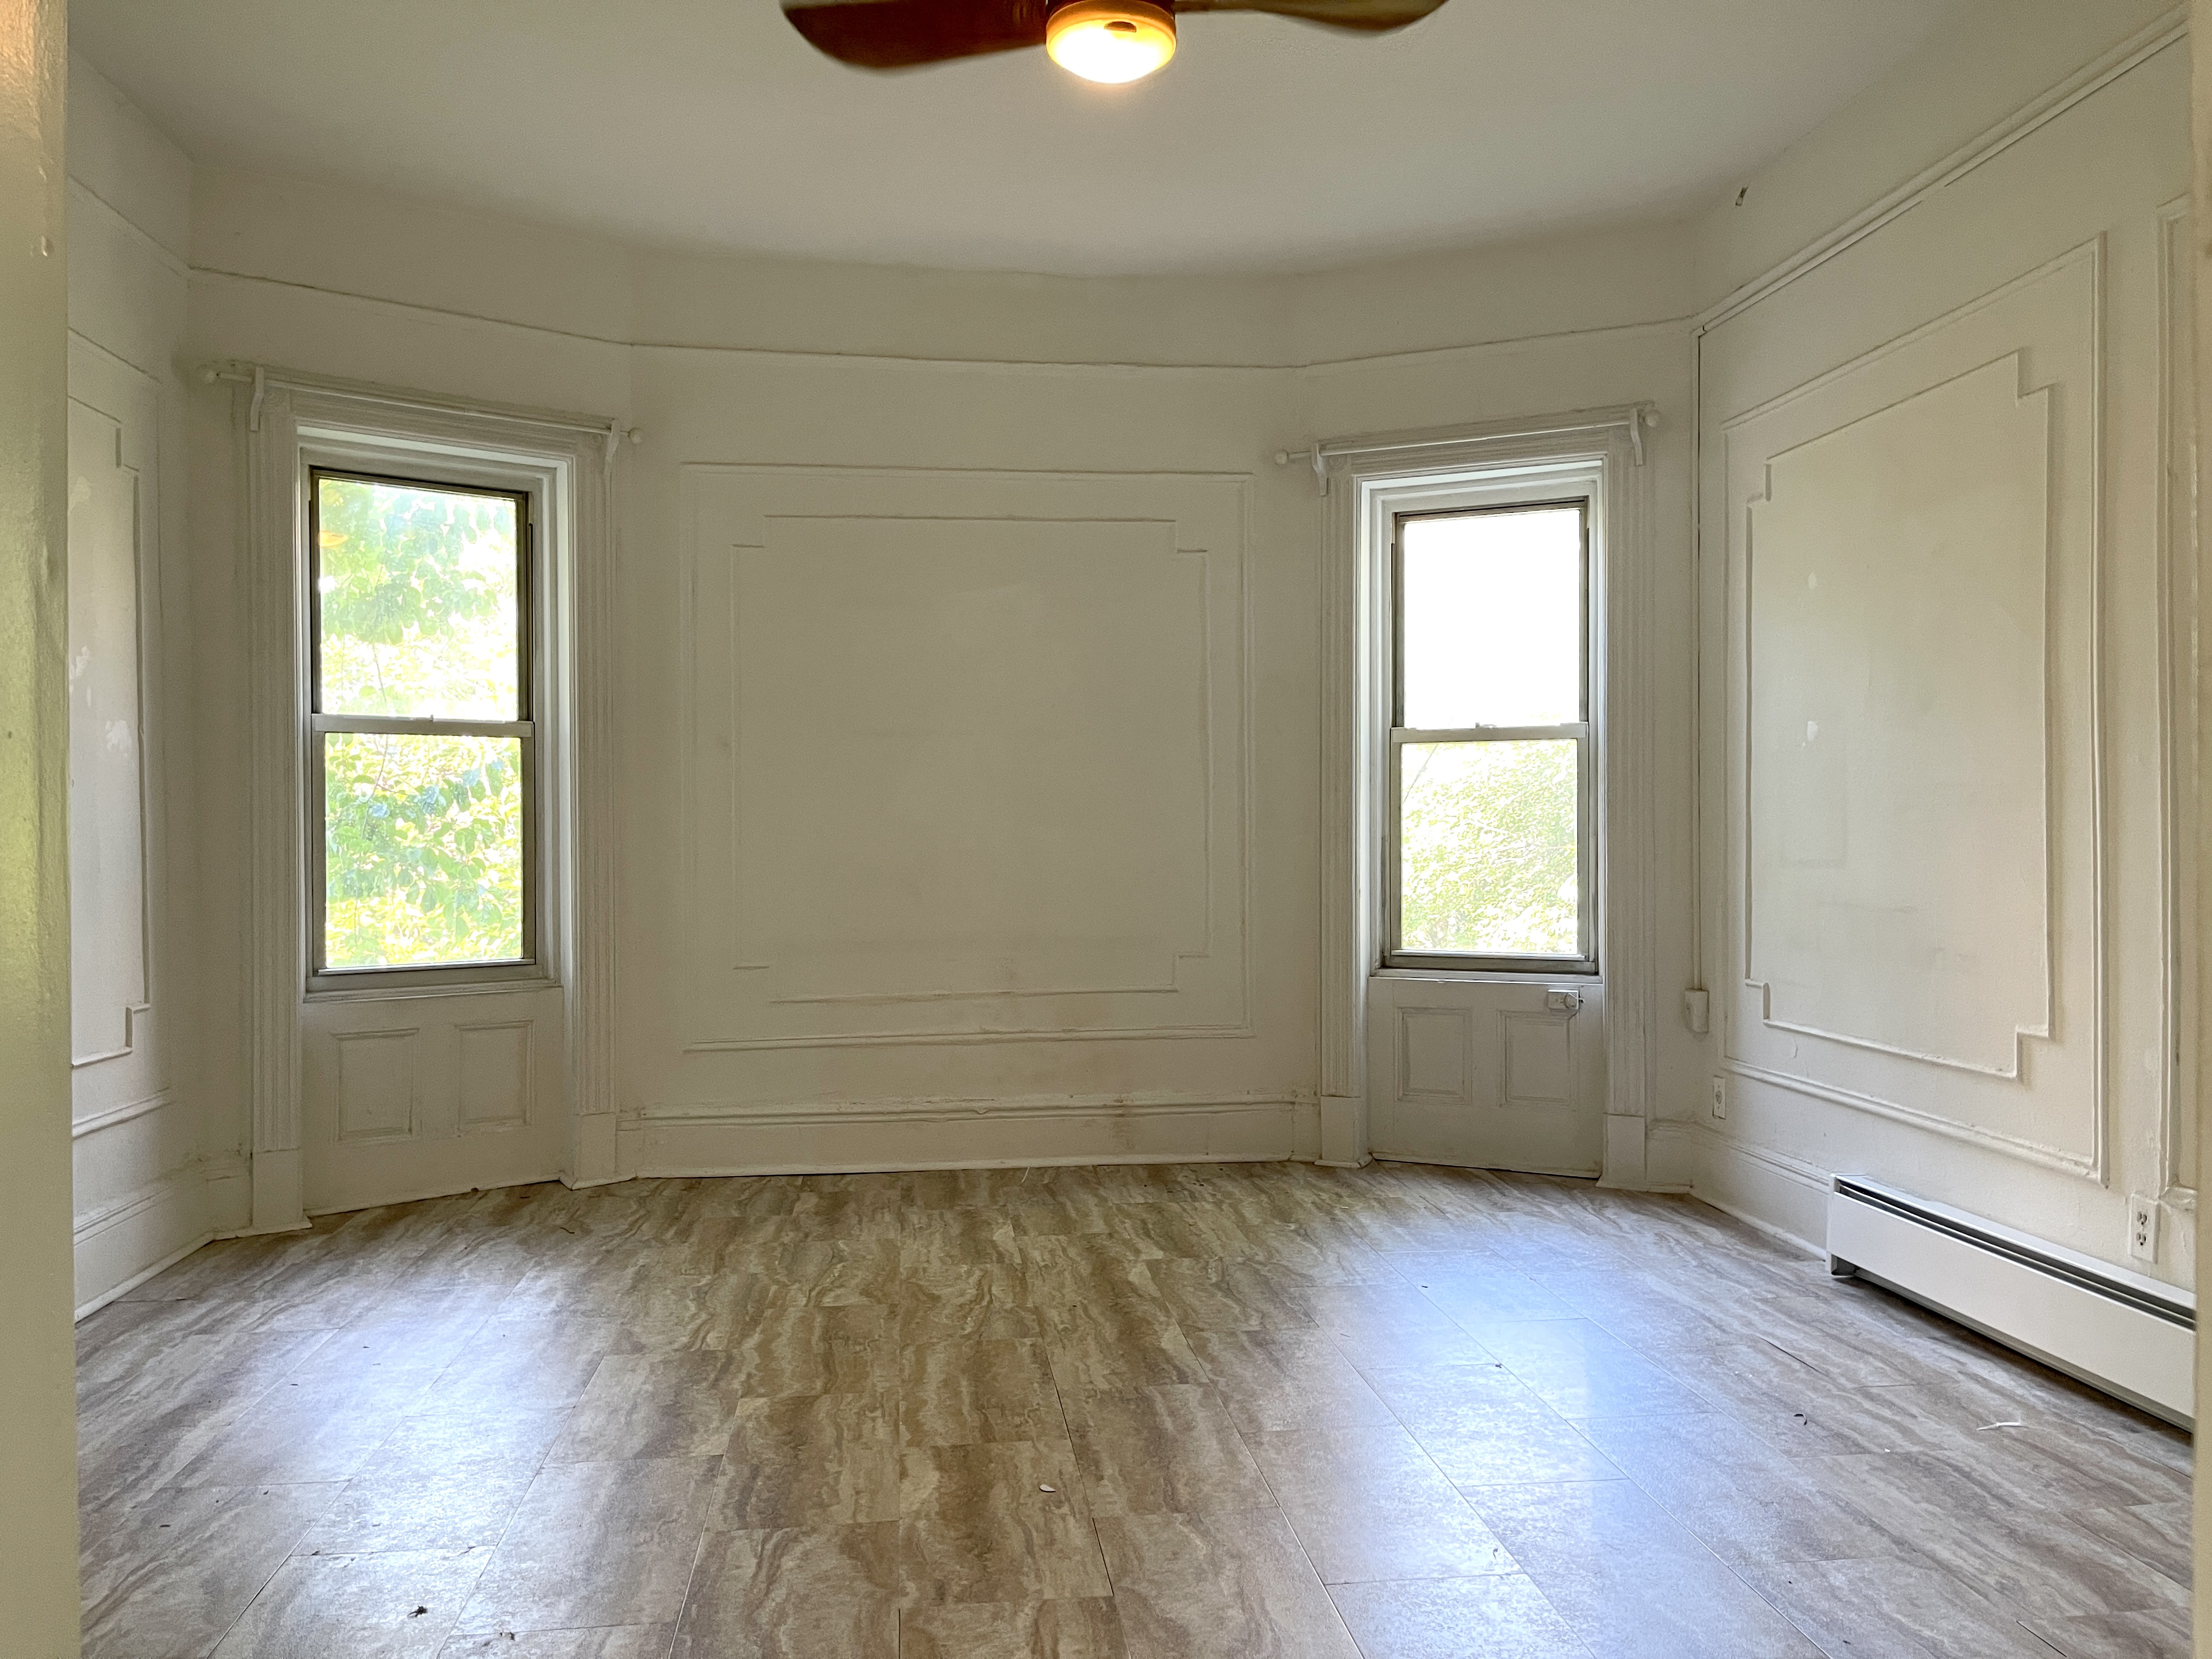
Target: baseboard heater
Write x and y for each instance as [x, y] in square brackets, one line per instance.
[2123, 1332]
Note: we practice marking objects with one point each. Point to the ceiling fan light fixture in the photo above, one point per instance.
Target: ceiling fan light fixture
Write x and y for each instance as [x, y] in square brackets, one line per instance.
[1110, 41]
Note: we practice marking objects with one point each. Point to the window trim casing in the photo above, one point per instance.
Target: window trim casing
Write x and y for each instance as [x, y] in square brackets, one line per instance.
[279, 419]
[370, 449]
[1502, 495]
[1352, 474]
[504, 972]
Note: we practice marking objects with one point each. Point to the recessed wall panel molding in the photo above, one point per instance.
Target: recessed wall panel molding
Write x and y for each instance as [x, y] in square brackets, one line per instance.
[2178, 599]
[110, 449]
[1436, 1059]
[1899, 881]
[1539, 1059]
[376, 1085]
[966, 757]
[495, 1077]
[1916, 846]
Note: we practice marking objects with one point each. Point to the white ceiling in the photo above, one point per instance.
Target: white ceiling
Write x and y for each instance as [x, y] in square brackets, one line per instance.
[1268, 145]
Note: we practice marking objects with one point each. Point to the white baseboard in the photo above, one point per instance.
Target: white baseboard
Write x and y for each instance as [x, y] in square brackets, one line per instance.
[949, 1134]
[122, 1244]
[1782, 1196]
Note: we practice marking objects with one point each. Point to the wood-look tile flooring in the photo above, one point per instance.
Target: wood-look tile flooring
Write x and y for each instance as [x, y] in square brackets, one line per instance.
[1213, 1412]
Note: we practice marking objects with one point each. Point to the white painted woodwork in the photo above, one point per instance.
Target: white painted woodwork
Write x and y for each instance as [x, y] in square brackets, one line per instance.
[411, 1096]
[364, 1098]
[968, 757]
[107, 784]
[1941, 890]
[1895, 844]
[862, 407]
[1484, 1074]
[150, 1182]
[1368, 1102]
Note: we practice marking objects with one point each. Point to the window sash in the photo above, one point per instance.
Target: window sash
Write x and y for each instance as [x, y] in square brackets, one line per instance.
[1584, 960]
[1582, 733]
[321, 975]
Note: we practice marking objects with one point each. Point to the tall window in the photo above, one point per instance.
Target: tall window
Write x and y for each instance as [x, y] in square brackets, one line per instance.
[422, 806]
[1492, 780]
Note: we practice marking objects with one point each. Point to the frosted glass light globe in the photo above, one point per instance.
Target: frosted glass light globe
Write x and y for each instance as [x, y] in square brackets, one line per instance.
[1111, 41]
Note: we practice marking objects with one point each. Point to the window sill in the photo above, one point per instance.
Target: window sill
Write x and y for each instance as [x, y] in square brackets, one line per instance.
[1577, 977]
[521, 984]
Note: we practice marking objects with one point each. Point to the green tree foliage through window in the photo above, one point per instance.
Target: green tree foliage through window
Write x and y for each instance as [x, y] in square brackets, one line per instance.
[1488, 853]
[421, 606]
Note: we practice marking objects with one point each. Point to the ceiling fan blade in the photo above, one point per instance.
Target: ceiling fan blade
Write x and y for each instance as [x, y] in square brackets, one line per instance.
[1372, 16]
[883, 34]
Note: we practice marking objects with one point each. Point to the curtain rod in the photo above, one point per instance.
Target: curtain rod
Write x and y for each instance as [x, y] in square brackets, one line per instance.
[1635, 417]
[260, 378]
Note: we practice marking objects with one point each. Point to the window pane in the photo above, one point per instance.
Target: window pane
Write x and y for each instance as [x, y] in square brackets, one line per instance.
[420, 601]
[1487, 863]
[424, 850]
[1492, 610]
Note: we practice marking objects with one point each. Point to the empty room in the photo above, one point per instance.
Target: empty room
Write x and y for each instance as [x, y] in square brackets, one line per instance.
[1102, 828]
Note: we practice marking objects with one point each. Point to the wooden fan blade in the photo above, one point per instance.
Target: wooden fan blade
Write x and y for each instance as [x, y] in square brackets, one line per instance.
[1371, 16]
[884, 35]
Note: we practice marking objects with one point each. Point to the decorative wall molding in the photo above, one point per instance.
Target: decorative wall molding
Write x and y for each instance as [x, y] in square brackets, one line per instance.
[281, 416]
[1459, 1022]
[1527, 1026]
[115, 414]
[2055, 313]
[738, 517]
[1142, 1128]
[1150, 1103]
[2169, 29]
[2017, 1146]
[523, 1079]
[114, 1116]
[1353, 608]
[382, 1102]
[1115, 368]
[2004, 382]
[2179, 682]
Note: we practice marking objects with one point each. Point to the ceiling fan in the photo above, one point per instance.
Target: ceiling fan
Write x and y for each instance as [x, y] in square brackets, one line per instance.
[1107, 40]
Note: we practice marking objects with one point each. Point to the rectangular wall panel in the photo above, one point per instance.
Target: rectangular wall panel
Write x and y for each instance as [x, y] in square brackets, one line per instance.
[966, 757]
[1914, 837]
[1435, 1060]
[108, 944]
[1540, 1060]
[495, 1074]
[375, 1085]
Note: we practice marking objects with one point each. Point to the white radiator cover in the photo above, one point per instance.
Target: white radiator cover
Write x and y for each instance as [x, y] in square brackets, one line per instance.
[2123, 1331]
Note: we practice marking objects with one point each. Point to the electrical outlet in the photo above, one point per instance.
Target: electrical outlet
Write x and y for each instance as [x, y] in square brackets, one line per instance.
[2143, 1228]
[1720, 1096]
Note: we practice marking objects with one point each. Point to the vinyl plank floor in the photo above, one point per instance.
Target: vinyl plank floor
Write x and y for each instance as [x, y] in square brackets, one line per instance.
[1140, 1412]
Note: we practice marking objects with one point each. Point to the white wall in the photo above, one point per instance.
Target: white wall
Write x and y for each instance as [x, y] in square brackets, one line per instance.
[815, 432]
[37, 1519]
[1029, 532]
[1943, 680]
[149, 1182]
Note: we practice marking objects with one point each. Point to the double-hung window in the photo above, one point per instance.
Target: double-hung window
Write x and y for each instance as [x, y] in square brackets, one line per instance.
[1492, 764]
[422, 768]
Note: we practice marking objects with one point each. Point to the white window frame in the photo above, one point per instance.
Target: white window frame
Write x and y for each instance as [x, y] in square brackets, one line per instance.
[530, 967]
[286, 422]
[328, 449]
[1504, 494]
[1360, 480]
[1476, 486]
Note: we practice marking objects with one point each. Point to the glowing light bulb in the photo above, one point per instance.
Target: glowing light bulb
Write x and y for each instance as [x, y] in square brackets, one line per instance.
[1110, 41]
